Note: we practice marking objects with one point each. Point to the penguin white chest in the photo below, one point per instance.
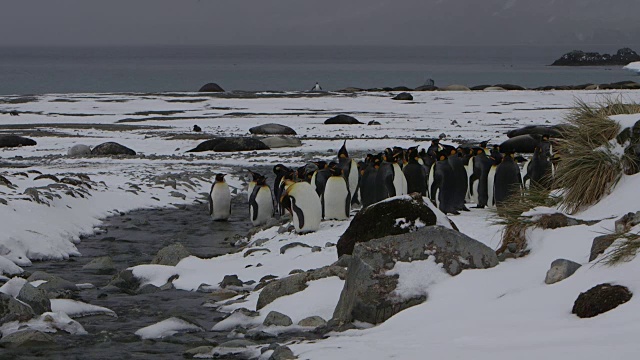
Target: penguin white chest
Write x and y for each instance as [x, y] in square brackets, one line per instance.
[335, 199]
[305, 207]
[261, 206]
[220, 201]
[399, 180]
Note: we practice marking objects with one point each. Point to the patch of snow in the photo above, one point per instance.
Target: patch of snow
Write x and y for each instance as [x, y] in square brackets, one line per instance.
[13, 286]
[77, 309]
[50, 322]
[168, 327]
[417, 276]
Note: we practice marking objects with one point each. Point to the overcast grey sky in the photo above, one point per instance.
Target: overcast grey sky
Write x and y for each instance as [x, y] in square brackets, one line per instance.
[319, 22]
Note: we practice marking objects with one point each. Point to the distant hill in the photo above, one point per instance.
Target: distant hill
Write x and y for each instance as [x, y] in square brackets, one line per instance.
[623, 56]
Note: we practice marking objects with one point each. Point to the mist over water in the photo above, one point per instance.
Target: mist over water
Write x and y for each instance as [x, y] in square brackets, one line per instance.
[28, 70]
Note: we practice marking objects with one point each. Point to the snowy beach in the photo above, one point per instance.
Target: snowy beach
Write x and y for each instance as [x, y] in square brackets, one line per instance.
[492, 313]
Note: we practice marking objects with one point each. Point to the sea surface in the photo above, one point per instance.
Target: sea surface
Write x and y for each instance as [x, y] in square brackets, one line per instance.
[37, 70]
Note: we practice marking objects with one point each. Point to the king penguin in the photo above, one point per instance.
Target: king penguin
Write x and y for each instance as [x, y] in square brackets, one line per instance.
[260, 202]
[254, 178]
[415, 173]
[280, 171]
[539, 168]
[302, 201]
[336, 198]
[508, 180]
[350, 171]
[479, 179]
[442, 186]
[220, 199]
[460, 180]
[368, 176]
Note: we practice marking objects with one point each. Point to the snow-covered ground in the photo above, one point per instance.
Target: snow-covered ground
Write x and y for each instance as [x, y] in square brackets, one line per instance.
[499, 313]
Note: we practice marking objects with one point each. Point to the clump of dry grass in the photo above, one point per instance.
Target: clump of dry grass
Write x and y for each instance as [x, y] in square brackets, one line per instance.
[624, 249]
[588, 169]
[509, 215]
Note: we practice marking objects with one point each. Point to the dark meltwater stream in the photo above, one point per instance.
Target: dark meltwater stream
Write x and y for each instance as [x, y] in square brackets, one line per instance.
[132, 239]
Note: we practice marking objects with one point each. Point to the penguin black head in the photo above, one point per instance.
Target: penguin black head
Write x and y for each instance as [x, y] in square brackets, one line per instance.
[342, 153]
[285, 201]
[368, 158]
[321, 164]
[254, 175]
[479, 151]
[280, 169]
[484, 144]
[290, 175]
[545, 137]
[423, 152]
[220, 177]
[443, 154]
[262, 180]
[335, 171]
[196, 128]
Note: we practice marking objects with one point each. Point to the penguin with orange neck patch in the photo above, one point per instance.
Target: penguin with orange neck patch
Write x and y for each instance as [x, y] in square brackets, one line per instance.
[220, 199]
[507, 181]
[260, 202]
[336, 198]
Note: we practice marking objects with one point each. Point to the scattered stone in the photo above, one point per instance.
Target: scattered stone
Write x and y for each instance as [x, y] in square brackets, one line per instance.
[111, 148]
[312, 321]
[274, 142]
[171, 255]
[403, 96]
[259, 335]
[282, 353]
[26, 339]
[254, 250]
[15, 141]
[219, 294]
[272, 129]
[600, 244]
[148, 289]
[600, 299]
[455, 88]
[275, 318]
[295, 283]
[373, 122]
[267, 278]
[238, 343]
[316, 249]
[13, 310]
[231, 280]
[560, 270]
[380, 219]
[79, 150]
[198, 352]
[366, 295]
[211, 87]
[342, 119]
[509, 87]
[53, 283]
[34, 297]
[292, 245]
[102, 266]
[627, 221]
[126, 282]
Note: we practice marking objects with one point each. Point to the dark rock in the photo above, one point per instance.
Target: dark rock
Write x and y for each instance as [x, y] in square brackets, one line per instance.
[373, 122]
[126, 282]
[26, 339]
[148, 289]
[102, 265]
[111, 148]
[35, 297]
[259, 335]
[197, 128]
[199, 352]
[627, 221]
[600, 244]
[230, 144]
[403, 96]
[560, 270]
[632, 162]
[282, 353]
[293, 245]
[231, 280]
[401, 88]
[312, 321]
[237, 343]
[351, 90]
[171, 255]
[510, 87]
[600, 299]
[13, 310]
[211, 87]
[53, 283]
[623, 56]
[367, 293]
[426, 88]
[342, 120]
[295, 283]
[275, 318]
[555, 131]
[272, 129]
[380, 219]
[15, 141]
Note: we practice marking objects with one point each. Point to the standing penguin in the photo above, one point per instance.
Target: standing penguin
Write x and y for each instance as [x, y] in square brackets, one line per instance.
[220, 199]
[254, 178]
[368, 177]
[539, 168]
[260, 202]
[350, 171]
[280, 170]
[415, 173]
[459, 179]
[442, 186]
[384, 188]
[336, 198]
[399, 180]
[507, 180]
[304, 205]
[479, 179]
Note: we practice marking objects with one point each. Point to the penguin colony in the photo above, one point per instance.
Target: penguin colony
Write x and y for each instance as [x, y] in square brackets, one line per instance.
[449, 176]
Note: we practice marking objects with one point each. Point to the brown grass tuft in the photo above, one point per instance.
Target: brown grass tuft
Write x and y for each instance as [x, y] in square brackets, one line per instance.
[624, 249]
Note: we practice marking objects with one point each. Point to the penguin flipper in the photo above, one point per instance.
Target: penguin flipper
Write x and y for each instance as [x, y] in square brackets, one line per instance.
[322, 205]
[299, 213]
[347, 204]
[211, 200]
[391, 188]
[472, 178]
[253, 203]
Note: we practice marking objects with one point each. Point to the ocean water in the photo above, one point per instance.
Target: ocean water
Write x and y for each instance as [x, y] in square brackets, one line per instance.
[28, 70]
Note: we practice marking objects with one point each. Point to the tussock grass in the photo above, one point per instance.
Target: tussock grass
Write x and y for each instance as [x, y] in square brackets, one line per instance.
[624, 249]
[588, 168]
[509, 215]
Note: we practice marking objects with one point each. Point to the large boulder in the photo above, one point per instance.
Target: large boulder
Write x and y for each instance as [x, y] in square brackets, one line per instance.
[368, 293]
[295, 283]
[272, 129]
[102, 265]
[171, 255]
[35, 297]
[211, 87]
[27, 339]
[600, 299]
[553, 131]
[393, 216]
[15, 141]
[403, 96]
[79, 150]
[111, 148]
[13, 310]
[230, 144]
[274, 142]
[560, 270]
[455, 88]
[520, 144]
[342, 120]
[275, 318]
